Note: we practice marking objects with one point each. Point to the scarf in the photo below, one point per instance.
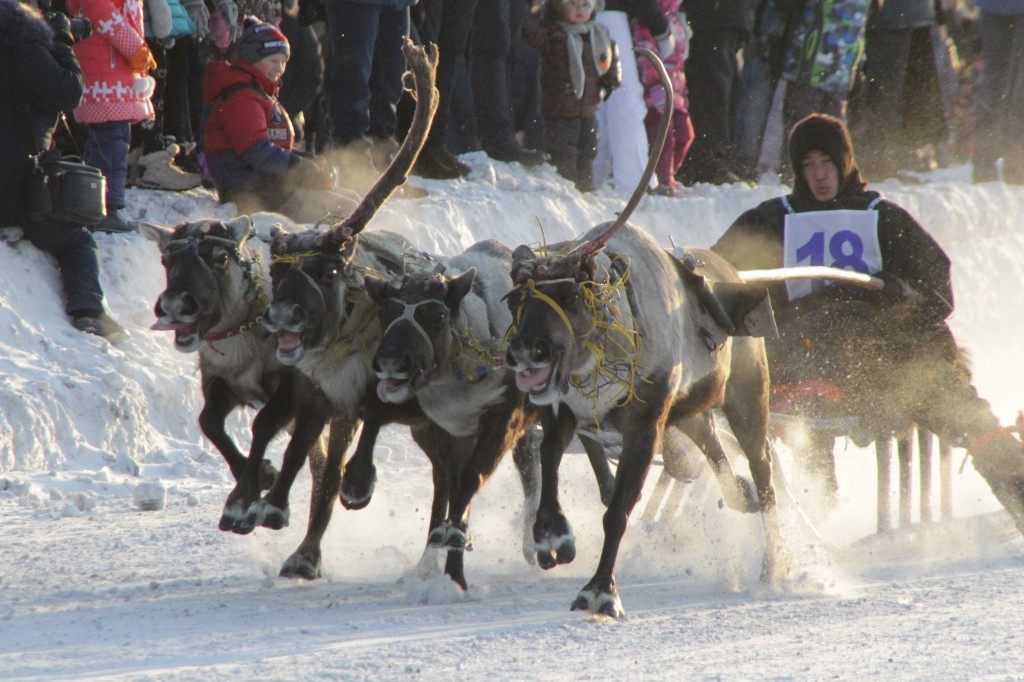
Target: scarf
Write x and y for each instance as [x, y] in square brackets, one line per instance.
[600, 44]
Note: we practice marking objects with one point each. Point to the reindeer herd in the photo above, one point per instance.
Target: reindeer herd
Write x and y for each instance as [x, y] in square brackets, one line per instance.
[344, 327]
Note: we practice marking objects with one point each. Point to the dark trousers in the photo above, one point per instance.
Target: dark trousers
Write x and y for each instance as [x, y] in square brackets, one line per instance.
[999, 126]
[447, 24]
[900, 107]
[497, 25]
[107, 149]
[572, 145]
[77, 260]
[711, 69]
[367, 64]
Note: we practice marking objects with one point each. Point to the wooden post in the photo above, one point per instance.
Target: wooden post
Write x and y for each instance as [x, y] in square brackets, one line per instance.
[905, 453]
[924, 453]
[883, 455]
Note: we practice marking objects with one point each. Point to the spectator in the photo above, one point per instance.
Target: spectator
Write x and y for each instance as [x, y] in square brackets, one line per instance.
[899, 111]
[579, 68]
[622, 149]
[249, 136]
[39, 79]
[999, 129]
[115, 63]
[680, 132]
[823, 49]
[720, 30]
[447, 24]
[364, 39]
[497, 26]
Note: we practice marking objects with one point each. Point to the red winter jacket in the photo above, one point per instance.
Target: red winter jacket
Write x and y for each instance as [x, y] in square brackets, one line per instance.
[248, 133]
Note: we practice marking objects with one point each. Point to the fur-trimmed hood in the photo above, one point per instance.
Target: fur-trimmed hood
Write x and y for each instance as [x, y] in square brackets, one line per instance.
[22, 23]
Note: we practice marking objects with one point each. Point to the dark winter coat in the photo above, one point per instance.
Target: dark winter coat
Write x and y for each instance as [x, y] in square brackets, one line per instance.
[646, 12]
[706, 15]
[754, 242]
[542, 33]
[44, 76]
[249, 136]
[902, 14]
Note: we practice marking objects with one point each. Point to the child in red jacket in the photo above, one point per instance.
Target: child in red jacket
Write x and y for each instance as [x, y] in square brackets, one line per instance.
[249, 138]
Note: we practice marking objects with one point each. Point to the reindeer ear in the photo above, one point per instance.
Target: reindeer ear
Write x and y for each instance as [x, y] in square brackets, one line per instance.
[587, 270]
[239, 228]
[377, 288]
[522, 252]
[157, 233]
[459, 286]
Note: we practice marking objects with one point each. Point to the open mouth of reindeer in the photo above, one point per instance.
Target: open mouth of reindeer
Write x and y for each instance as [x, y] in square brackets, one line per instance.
[394, 389]
[186, 334]
[289, 343]
[535, 380]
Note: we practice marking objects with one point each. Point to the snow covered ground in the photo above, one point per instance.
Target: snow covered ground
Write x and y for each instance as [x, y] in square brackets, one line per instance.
[91, 587]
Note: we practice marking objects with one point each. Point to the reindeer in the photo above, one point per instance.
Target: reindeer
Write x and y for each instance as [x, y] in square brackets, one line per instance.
[213, 302]
[440, 348]
[326, 325]
[612, 331]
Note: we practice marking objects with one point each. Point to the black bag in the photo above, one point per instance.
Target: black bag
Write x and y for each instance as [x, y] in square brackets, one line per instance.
[64, 189]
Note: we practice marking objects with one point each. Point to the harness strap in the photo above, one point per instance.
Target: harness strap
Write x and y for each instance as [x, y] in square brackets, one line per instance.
[409, 315]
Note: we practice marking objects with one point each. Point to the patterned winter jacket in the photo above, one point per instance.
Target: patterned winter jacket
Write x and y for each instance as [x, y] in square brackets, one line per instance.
[248, 134]
[113, 91]
[558, 100]
[654, 93]
[825, 44]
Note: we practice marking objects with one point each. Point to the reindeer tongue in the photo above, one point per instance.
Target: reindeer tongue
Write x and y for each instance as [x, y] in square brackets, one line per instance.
[382, 388]
[529, 379]
[162, 325]
[288, 341]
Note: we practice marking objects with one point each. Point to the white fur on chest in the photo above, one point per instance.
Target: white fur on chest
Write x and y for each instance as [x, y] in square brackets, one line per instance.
[241, 361]
[456, 406]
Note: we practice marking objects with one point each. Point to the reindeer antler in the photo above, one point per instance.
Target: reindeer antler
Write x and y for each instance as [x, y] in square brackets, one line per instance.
[599, 242]
[423, 65]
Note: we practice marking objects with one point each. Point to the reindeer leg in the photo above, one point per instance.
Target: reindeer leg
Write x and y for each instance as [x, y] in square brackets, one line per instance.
[735, 491]
[552, 534]
[599, 463]
[443, 452]
[218, 403]
[305, 561]
[746, 408]
[526, 457]
[271, 511]
[273, 417]
[599, 595]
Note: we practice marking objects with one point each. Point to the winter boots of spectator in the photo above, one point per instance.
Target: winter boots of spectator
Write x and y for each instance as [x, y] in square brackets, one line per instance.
[158, 170]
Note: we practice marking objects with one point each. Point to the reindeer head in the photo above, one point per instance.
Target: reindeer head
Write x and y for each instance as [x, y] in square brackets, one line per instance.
[211, 286]
[552, 321]
[416, 315]
[313, 290]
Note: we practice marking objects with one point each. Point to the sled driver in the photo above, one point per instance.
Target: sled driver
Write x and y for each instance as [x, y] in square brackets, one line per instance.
[886, 356]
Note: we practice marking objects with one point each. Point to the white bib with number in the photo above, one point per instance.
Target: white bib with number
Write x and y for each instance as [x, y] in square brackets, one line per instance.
[844, 239]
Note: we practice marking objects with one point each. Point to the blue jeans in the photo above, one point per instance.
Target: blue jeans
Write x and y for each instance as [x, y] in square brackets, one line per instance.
[107, 149]
[75, 252]
[999, 128]
[367, 63]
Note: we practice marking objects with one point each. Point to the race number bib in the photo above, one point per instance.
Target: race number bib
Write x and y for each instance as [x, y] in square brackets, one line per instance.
[839, 239]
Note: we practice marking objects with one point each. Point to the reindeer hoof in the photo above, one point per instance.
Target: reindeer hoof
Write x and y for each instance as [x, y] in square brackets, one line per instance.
[232, 515]
[554, 542]
[301, 566]
[265, 514]
[356, 495]
[450, 537]
[599, 602]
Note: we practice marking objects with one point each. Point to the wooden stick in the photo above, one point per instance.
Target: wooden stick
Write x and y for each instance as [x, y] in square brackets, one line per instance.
[813, 272]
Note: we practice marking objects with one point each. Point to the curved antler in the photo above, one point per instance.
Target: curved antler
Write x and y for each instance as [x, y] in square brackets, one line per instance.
[599, 242]
[423, 65]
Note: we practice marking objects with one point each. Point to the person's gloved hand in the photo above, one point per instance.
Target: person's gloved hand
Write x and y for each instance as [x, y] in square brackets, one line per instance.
[229, 10]
[199, 15]
[666, 44]
[895, 290]
[142, 61]
[61, 25]
[310, 173]
[159, 17]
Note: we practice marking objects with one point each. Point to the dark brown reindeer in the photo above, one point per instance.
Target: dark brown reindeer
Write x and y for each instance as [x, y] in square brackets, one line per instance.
[611, 331]
[326, 325]
[216, 291]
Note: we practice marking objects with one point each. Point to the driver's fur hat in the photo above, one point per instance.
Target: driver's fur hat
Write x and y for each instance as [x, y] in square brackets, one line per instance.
[828, 135]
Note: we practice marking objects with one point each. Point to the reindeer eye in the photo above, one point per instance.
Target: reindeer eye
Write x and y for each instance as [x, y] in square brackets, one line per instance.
[330, 274]
[221, 259]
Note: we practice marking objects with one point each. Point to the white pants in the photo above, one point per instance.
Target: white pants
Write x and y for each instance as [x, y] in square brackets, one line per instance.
[622, 147]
